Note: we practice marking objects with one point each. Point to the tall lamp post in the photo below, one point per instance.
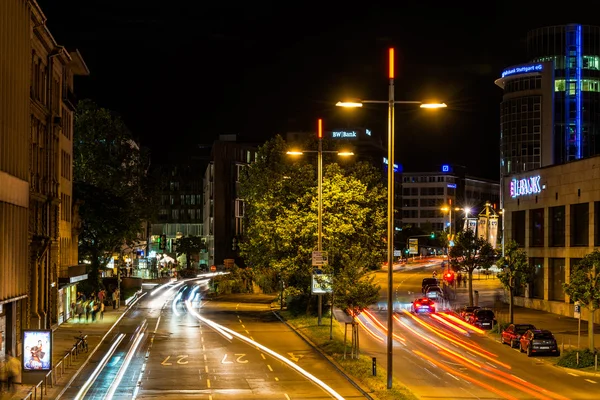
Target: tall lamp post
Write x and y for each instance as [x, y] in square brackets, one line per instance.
[390, 198]
[320, 195]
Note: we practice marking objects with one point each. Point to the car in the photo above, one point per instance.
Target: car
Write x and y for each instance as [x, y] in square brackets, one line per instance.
[423, 304]
[434, 292]
[512, 334]
[483, 318]
[466, 312]
[536, 341]
[429, 282]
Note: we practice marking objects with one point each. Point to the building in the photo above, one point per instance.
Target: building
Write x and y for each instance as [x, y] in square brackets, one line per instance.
[223, 208]
[52, 235]
[550, 148]
[38, 227]
[424, 194]
[15, 23]
[181, 203]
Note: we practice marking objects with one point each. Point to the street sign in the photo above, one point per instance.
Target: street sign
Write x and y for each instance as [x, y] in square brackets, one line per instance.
[319, 258]
[413, 246]
[321, 283]
[577, 310]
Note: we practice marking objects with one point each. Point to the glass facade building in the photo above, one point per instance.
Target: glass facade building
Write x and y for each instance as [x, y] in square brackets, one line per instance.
[550, 113]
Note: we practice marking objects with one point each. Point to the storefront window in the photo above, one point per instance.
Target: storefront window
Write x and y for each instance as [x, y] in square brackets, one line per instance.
[556, 269]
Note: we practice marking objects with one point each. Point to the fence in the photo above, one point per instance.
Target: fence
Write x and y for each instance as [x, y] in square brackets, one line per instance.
[51, 378]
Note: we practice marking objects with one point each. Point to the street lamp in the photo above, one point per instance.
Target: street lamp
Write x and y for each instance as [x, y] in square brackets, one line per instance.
[320, 152]
[390, 199]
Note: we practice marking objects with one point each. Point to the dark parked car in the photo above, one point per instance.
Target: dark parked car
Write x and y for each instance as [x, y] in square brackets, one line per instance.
[423, 305]
[428, 282]
[512, 334]
[536, 341]
[483, 318]
[467, 311]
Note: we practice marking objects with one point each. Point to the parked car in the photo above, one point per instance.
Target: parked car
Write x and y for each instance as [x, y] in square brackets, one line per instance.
[423, 305]
[466, 312]
[434, 292]
[512, 334]
[428, 282]
[483, 318]
[536, 341]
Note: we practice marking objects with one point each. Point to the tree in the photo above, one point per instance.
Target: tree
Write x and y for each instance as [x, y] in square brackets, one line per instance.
[470, 252]
[584, 286]
[516, 272]
[281, 216]
[109, 184]
[189, 245]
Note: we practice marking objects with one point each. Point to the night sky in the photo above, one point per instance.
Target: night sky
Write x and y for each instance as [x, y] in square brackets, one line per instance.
[182, 74]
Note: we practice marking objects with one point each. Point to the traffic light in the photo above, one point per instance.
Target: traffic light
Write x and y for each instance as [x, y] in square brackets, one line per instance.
[162, 242]
[432, 235]
[449, 276]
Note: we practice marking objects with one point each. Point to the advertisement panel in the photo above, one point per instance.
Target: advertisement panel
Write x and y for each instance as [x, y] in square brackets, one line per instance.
[37, 350]
[413, 246]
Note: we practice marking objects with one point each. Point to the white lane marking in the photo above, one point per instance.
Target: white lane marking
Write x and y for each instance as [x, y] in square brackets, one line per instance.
[448, 373]
[572, 374]
[590, 381]
[519, 378]
[491, 365]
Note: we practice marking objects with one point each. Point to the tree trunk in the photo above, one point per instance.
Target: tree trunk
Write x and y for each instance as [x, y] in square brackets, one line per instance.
[591, 327]
[470, 277]
[511, 312]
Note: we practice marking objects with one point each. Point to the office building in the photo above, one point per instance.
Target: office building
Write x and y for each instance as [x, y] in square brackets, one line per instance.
[550, 143]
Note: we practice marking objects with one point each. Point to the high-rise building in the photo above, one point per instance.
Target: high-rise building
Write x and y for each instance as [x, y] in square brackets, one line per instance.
[550, 152]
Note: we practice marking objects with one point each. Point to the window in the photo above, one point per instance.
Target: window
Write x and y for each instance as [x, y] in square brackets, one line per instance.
[536, 227]
[556, 228]
[518, 227]
[556, 271]
[597, 223]
[536, 288]
[579, 224]
[240, 207]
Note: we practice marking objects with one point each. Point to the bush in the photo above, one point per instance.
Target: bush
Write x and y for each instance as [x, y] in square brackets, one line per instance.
[499, 327]
[187, 273]
[569, 359]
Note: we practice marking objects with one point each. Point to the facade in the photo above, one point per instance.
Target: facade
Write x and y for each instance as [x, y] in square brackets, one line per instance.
[550, 143]
[15, 23]
[424, 194]
[181, 204]
[52, 235]
[223, 208]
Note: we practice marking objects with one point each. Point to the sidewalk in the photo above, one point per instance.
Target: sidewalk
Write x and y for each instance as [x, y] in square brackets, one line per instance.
[564, 329]
[63, 341]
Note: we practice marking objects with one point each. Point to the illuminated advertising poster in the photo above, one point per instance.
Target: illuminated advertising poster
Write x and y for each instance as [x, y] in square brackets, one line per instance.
[493, 238]
[37, 350]
[482, 227]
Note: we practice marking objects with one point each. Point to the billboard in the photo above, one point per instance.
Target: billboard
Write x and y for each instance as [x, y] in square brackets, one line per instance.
[37, 350]
[413, 246]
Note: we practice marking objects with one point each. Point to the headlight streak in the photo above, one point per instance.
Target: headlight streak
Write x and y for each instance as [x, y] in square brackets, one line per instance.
[494, 375]
[464, 376]
[86, 386]
[126, 362]
[219, 328]
[174, 304]
[373, 334]
[243, 338]
[479, 351]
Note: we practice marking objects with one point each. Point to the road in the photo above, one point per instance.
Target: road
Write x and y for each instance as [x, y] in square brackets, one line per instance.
[230, 348]
[436, 360]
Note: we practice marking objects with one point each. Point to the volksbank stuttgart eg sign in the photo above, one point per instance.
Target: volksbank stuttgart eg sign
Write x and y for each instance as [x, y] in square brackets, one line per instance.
[522, 69]
[525, 186]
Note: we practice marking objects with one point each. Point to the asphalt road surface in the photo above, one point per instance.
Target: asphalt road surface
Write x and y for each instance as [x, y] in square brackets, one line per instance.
[437, 361]
[169, 347]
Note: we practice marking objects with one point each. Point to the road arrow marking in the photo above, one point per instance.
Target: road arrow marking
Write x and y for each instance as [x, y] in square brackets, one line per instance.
[295, 358]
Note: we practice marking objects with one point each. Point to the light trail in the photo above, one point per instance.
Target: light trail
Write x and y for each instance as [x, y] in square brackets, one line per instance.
[126, 362]
[289, 363]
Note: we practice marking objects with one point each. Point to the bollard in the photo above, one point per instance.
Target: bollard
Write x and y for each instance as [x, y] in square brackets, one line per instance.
[374, 366]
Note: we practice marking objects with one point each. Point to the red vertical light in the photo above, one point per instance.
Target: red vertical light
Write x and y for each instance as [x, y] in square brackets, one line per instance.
[320, 128]
[391, 63]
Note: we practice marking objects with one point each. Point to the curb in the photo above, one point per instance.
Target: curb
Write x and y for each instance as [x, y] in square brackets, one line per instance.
[332, 361]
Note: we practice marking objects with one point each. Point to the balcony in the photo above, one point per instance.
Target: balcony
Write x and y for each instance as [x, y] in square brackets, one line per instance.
[69, 98]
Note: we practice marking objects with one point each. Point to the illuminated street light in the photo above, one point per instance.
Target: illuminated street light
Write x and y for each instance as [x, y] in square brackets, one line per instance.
[390, 199]
[320, 152]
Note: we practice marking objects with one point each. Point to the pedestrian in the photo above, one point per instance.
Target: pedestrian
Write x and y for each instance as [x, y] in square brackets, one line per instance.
[458, 279]
[13, 368]
[101, 296]
[86, 310]
[114, 299]
[79, 310]
[94, 310]
[465, 281]
[101, 305]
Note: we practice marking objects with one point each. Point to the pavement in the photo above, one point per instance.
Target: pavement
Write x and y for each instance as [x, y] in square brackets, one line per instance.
[63, 341]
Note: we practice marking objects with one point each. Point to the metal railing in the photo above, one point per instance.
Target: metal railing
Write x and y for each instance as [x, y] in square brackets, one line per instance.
[51, 378]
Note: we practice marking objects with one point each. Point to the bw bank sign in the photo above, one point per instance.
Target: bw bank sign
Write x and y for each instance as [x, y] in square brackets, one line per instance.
[525, 186]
